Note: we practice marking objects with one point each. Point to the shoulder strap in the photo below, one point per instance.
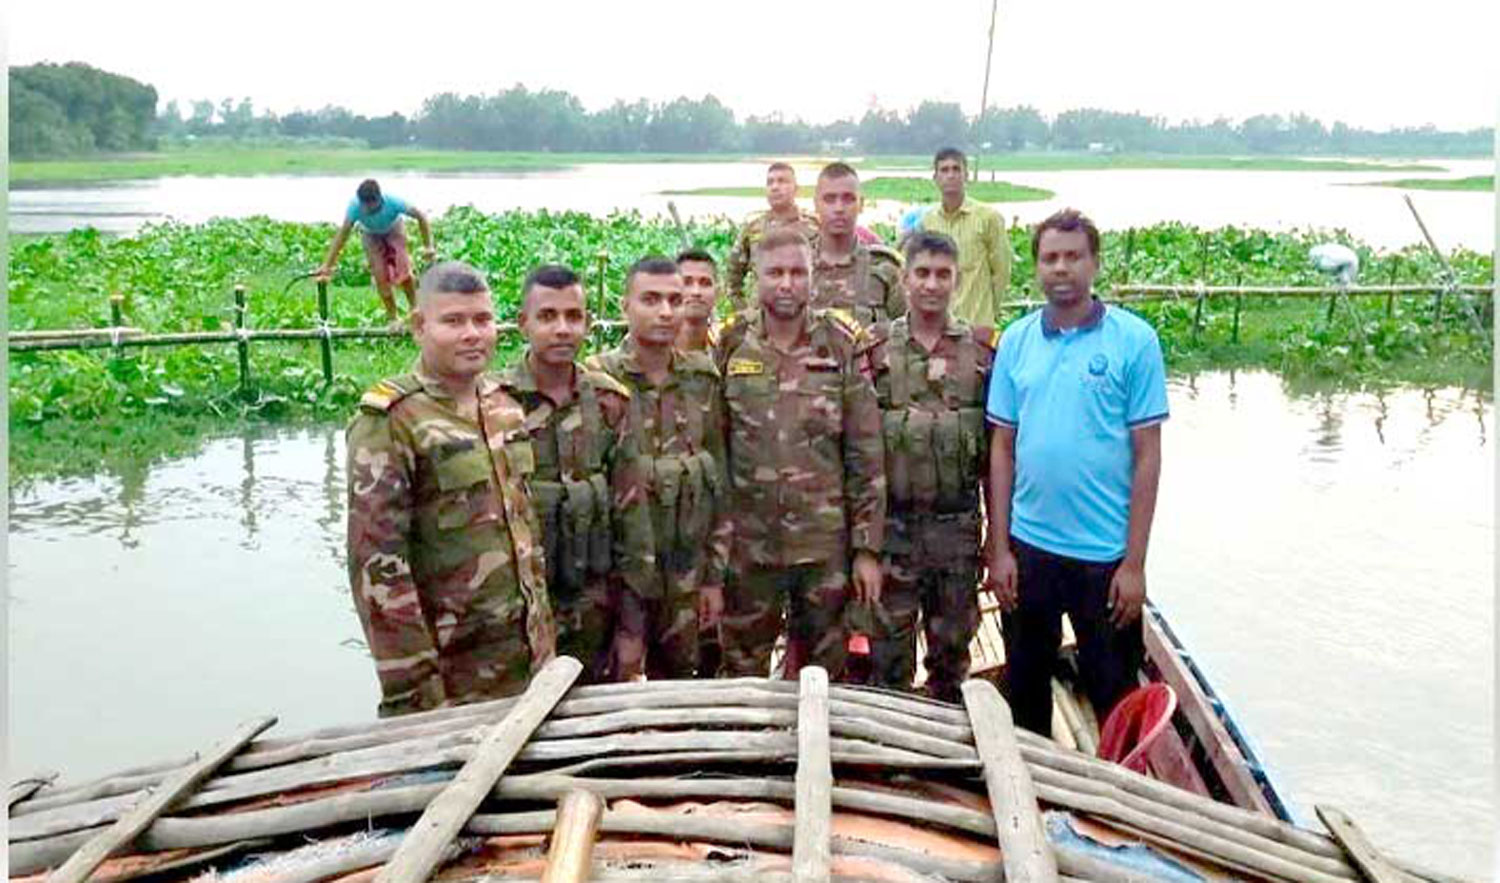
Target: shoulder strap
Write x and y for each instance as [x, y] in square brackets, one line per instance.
[384, 395]
[593, 423]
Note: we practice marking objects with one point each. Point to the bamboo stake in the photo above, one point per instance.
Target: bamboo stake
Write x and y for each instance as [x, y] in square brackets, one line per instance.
[1023, 844]
[241, 343]
[811, 852]
[82, 863]
[570, 858]
[422, 850]
[116, 320]
[325, 345]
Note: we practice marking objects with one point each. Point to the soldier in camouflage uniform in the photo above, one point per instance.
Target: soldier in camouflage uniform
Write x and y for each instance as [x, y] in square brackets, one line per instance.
[700, 301]
[781, 195]
[445, 562]
[674, 398]
[863, 281]
[807, 483]
[587, 482]
[930, 379]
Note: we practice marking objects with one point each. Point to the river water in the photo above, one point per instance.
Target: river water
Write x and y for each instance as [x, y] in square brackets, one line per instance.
[1116, 199]
[1327, 557]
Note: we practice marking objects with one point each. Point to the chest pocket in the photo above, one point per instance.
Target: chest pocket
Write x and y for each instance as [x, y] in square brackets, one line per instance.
[820, 401]
[463, 489]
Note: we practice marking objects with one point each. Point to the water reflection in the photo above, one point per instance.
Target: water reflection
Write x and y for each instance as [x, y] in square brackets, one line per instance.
[1339, 542]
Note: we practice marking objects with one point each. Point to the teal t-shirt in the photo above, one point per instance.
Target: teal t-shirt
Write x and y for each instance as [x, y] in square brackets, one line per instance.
[387, 216]
[1073, 396]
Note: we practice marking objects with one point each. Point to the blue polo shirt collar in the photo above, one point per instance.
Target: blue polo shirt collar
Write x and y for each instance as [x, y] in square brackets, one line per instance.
[1090, 322]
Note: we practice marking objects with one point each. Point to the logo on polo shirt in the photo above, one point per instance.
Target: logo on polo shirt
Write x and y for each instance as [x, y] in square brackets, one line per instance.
[1098, 364]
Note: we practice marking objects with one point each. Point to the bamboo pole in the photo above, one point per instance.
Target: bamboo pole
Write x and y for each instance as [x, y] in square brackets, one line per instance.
[99, 847]
[25, 788]
[811, 852]
[241, 343]
[325, 344]
[1361, 851]
[423, 848]
[1024, 849]
[571, 855]
[102, 338]
[116, 319]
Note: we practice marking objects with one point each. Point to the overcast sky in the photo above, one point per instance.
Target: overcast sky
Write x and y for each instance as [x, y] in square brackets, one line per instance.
[1371, 64]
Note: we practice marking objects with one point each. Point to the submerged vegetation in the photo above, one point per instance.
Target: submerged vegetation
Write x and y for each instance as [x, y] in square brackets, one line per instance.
[1474, 184]
[71, 410]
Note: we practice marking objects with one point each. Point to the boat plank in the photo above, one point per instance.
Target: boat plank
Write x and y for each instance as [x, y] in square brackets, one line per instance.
[1358, 847]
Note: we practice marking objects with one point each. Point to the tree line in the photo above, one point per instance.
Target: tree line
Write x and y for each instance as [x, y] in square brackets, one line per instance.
[70, 109]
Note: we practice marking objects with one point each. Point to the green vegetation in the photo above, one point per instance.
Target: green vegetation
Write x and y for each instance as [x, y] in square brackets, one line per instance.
[159, 401]
[282, 160]
[1477, 183]
[1071, 162]
[903, 189]
[58, 110]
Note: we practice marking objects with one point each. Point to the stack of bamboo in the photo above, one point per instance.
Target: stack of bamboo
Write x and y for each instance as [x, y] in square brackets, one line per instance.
[882, 786]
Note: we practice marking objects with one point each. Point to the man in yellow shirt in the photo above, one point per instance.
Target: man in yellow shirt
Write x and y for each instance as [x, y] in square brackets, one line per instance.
[984, 256]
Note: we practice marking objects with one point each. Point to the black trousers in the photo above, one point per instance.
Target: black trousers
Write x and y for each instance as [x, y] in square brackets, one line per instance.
[1109, 659]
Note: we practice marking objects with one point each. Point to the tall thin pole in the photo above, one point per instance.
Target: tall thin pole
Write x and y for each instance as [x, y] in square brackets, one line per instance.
[984, 96]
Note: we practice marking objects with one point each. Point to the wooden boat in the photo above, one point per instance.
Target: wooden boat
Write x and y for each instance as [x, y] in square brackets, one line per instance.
[724, 780]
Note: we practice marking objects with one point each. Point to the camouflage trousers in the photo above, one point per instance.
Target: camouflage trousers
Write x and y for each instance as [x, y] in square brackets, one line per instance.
[586, 629]
[932, 566]
[672, 627]
[809, 597]
[481, 654]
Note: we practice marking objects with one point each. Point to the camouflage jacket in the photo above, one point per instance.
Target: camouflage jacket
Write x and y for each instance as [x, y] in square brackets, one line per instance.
[806, 472]
[741, 261]
[866, 285]
[588, 483]
[680, 426]
[932, 415]
[440, 527]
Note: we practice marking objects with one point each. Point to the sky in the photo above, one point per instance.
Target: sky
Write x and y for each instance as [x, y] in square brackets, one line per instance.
[1371, 64]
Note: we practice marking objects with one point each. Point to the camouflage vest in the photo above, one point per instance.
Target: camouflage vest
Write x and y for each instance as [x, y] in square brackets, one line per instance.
[570, 490]
[934, 443]
[854, 290]
[686, 482]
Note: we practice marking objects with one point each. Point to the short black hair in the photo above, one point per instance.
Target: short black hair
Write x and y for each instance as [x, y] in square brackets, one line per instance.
[651, 265]
[927, 242]
[1068, 220]
[549, 276]
[949, 153]
[453, 277]
[696, 254]
[838, 170]
[368, 191]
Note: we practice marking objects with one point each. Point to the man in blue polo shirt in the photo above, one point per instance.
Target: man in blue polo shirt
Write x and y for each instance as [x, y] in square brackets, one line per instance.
[383, 234]
[1076, 401]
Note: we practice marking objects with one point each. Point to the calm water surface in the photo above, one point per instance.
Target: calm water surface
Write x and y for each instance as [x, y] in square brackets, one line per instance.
[1327, 558]
[1115, 198]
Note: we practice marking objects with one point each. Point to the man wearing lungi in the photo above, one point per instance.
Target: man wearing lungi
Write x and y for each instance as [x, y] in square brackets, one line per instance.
[384, 236]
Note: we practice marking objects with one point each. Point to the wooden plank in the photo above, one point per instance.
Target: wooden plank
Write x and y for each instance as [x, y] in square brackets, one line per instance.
[22, 789]
[571, 856]
[1357, 846]
[812, 844]
[1025, 852]
[101, 846]
[422, 849]
[1223, 754]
